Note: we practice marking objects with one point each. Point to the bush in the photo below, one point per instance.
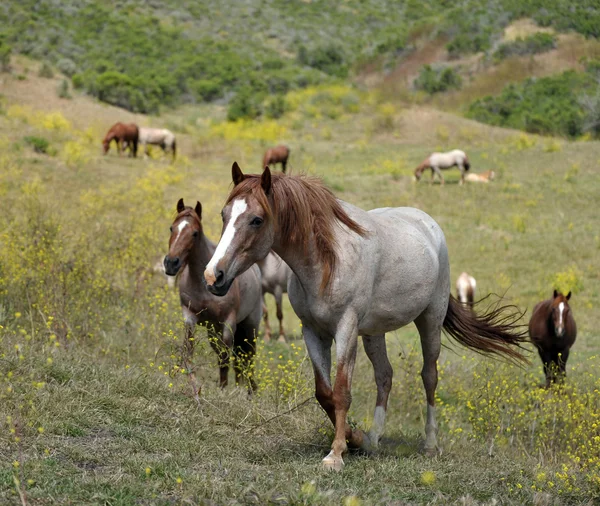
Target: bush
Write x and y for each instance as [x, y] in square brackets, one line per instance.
[328, 58]
[245, 105]
[433, 81]
[275, 107]
[39, 144]
[46, 71]
[77, 81]
[5, 52]
[63, 89]
[66, 66]
[532, 44]
[208, 89]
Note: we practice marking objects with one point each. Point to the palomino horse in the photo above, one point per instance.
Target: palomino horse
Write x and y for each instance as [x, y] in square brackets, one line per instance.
[465, 289]
[125, 135]
[159, 137]
[275, 274]
[483, 177]
[278, 154]
[439, 161]
[233, 320]
[354, 273]
[553, 331]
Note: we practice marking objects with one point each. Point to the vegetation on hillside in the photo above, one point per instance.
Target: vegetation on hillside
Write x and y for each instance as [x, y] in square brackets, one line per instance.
[532, 44]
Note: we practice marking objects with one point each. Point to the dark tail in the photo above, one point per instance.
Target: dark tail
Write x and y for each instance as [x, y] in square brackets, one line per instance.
[174, 148]
[466, 164]
[496, 331]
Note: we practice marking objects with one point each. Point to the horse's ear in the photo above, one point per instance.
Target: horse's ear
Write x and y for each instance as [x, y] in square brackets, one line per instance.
[555, 293]
[180, 205]
[265, 180]
[236, 174]
[568, 296]
[198, 209]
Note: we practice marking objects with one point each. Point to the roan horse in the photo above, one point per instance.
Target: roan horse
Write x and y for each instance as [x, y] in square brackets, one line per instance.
[159, 137]
[438, 161]
[278, 154]
[275, 274]
[232, 321]
[553, 331]
[124, 134]
[465, 289]
[354, 273]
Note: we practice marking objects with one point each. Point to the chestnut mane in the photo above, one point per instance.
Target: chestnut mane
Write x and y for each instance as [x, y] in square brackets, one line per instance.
[302, 207]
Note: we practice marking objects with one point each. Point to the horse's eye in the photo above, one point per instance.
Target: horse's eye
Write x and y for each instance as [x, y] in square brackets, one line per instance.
[256, 222]
[171, 228]
[195, 234]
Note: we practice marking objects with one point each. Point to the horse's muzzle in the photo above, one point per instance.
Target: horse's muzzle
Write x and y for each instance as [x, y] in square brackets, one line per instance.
[172, 265]
[221, 288]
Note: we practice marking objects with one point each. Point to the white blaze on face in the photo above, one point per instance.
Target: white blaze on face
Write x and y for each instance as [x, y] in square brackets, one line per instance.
[238, 208]
[180, 228]
[561, 310]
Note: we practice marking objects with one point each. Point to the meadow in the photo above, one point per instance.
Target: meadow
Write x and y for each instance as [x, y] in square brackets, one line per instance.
[94, 406]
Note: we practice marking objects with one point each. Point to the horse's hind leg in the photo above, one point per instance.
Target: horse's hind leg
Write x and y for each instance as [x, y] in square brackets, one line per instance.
[429, 324]
[375, 348]
[267, 336]
[283, 165]
[279, 302]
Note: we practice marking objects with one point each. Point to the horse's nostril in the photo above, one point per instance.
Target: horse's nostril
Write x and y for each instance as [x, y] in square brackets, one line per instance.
[176, 262]
[220, 276]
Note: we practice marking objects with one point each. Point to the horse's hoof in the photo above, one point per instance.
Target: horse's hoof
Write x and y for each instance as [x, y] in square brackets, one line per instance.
[431, 452]
[281, 339]
[370, 442]
[333, 463]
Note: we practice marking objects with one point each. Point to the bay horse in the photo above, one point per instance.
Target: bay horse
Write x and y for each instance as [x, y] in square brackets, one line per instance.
[465, 289]
[553, 331]
[125, 135]
[159, 137]
[441, 161]
[275, 274]
[232, 321]
[278, 154]
[354, 273]
[482, 177]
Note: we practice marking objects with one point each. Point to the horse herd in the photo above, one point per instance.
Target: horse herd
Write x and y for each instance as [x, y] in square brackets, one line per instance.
[129, 136]
[347, 272]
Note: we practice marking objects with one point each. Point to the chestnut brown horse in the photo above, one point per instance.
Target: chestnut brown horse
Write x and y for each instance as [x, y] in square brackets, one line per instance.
[124, 134]
[278, 154]
[354, 273]
[553, 331]
[232, 322]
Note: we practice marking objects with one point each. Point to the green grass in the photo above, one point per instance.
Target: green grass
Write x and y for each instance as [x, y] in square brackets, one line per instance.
[80, 233]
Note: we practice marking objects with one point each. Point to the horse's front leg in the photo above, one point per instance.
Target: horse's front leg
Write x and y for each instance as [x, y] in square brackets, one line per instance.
[439, 174]
[187, 351]
[225, 346]
[267, 335]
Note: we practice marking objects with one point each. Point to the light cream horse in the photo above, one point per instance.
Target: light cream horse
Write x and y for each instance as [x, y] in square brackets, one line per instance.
[483, 177]
[275, 275]
[465, 289]
[158, 137]
[440, 161]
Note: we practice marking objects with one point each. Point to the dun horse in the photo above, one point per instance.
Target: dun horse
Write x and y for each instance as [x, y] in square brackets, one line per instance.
[232, 321]
[465, 289]
[483, 177]
[441, 161]
[553, 331]
[278, 154]
[275, 274]
[159, 137]
[125, 135]
[354, 273]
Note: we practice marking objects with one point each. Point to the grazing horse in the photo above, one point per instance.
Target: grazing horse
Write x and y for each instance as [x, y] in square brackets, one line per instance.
[232, 322]
[483, 177]
[278, 154]
[354, 273]
[125, 135]
[159, 137]
[465, 289]
[275, 274]
[438, 161]
[553, 331]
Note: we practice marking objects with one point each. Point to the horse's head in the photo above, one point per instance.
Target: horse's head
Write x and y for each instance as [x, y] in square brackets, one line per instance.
[248, 230]
[185, 232]
[421, 168]
[560, 312]
[105, 146]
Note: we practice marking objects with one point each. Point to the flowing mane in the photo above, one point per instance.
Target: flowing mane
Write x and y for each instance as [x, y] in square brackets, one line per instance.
[302, 205]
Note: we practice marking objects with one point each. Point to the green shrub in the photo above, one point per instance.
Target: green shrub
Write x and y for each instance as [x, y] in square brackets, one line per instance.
[208, 89]
[245, 105]
[275, 107]
[63, 89]
[77, 81]
[39, 144]
[46, 71]
[532, 44]
[439, 80]
[5, 52]
[328, 58]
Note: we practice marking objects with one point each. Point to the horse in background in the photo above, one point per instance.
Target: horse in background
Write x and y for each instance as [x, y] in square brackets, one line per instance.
[158, 137]
[278, 154]
[232, 322]
[275, 274]
[482, 177]
[125, 135]
[553, 331]
[442, 161]
[465, 289]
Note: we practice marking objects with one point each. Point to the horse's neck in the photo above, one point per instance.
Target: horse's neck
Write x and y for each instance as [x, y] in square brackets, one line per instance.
[200, 255]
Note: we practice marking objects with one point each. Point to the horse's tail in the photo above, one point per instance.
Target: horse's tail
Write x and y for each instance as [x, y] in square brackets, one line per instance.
[495, 331]
[466, 164]
[174, 148]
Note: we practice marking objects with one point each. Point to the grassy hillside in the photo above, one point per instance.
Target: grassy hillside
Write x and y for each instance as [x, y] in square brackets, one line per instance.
[93, 405]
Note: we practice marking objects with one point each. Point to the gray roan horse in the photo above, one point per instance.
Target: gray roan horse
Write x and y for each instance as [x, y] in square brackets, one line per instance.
[275, 274]
[232, 321]
[354, 273]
